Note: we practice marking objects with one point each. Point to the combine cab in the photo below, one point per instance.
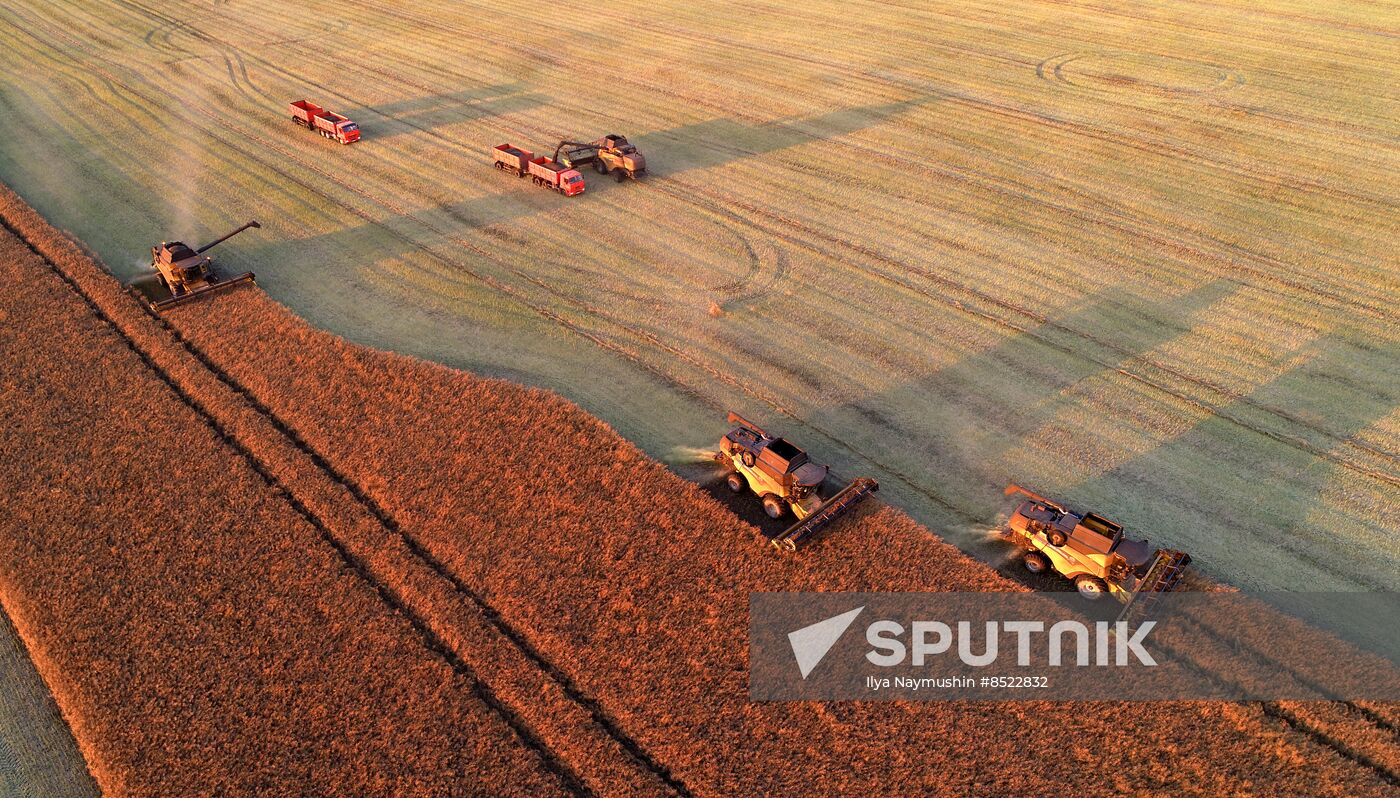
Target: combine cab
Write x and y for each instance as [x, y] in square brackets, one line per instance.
[785, 478]
[183, 274]
[1093, 552]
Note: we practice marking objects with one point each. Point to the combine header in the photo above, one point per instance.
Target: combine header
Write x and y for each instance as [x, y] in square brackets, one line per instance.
[182, 274]
[1093, 552]
[785, 477]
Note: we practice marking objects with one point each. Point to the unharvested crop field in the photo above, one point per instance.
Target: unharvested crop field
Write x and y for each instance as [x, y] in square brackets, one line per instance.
[1142, 258]
[197, 631]
[606, 634]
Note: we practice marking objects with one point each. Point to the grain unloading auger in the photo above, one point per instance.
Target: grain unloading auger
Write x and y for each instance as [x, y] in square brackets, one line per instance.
[785, 477]
[182, 274]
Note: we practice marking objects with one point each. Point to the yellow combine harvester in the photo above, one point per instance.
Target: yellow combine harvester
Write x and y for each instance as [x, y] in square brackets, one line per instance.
[1092, 551]
[785, 478]
[183, 274]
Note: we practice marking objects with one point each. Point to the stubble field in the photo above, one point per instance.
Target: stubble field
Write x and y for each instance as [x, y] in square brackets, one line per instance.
[1142, 259]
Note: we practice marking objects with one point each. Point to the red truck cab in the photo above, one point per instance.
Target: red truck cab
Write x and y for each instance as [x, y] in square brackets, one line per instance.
[338, 127]
[545, 171]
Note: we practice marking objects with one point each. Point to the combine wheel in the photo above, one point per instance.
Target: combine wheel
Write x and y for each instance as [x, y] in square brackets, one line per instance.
[773, 506]
[1036, 563]
[621, 175]
[736, 482]
[1090, 587]
[600, 166]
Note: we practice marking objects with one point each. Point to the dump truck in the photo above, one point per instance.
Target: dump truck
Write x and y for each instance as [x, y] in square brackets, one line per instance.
[785, 478]
[182, 274]
[511, 158]
[544, 171]
[327, 123]
[611, 153]
[1091, 551]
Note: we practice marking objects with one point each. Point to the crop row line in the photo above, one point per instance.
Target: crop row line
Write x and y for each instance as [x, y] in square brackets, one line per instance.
[354, 563]
[1287, 719]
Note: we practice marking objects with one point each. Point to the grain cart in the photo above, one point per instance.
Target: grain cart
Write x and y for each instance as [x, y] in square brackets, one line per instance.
[545, 171]
[1092, 551]
[511, 158]
[784, 477]
[611, 153]
[182, 273]
[327, 123]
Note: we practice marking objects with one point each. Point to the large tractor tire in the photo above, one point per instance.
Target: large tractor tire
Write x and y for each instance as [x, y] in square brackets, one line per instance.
[1091, 588]
[736, 482]
[774, 506]
[1036, 563]
[600, 166]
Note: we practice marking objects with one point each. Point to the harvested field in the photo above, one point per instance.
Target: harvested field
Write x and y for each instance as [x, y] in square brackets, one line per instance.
[197, 631]
[1139, 258]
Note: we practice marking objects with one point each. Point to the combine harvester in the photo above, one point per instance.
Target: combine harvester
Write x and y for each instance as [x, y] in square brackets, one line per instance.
[785, 477]
[1093, 552]
[611, 153]
[182, 274]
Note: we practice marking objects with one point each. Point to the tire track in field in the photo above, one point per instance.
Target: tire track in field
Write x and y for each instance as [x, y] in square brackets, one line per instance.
[884, 80]
[778, 406]
[387, 594]
[737, 295]
[1124, 222]
[722, 376]
[160, 39]
[1039, 319]
[783, 223]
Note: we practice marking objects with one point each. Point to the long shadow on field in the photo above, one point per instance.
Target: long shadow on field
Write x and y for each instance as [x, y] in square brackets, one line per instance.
[1255, 510]
[719, 141]
[945, 441]
[692, 147]
[1268, 514]
[430, 112]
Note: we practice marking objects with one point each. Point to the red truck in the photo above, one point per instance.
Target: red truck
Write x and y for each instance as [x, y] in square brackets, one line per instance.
[329, 124]
[542, 170]
[546, 171]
